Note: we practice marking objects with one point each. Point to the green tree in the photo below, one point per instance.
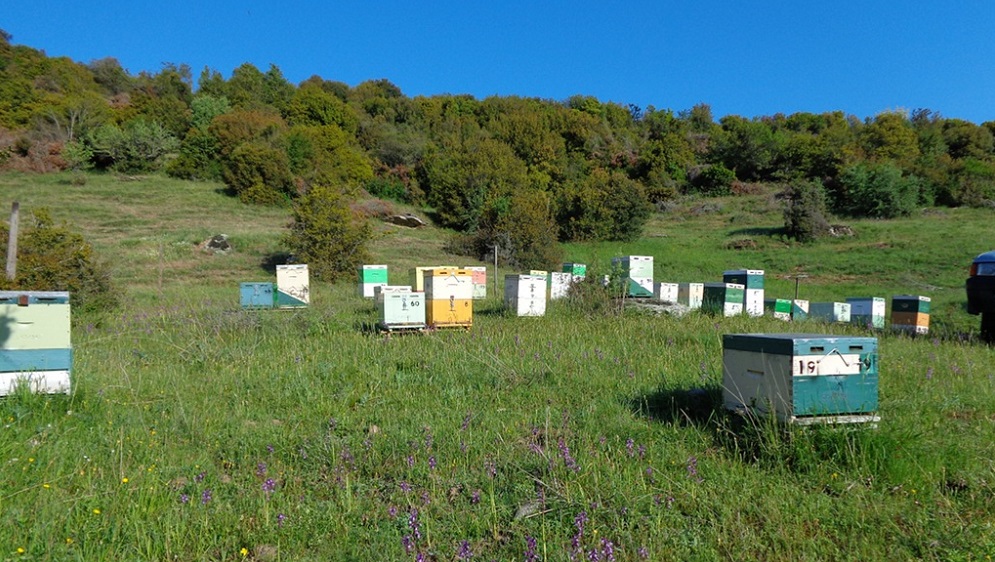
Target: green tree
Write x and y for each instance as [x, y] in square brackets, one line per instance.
[805, 211]
[877, 190]
[327, 235]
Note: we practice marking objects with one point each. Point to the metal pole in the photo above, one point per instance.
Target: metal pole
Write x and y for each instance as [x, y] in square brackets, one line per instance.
[495, 271]
[12, 241]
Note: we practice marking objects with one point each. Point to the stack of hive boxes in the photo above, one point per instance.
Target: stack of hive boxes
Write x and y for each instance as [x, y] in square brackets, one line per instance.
[725, 299]
[910, 314]
[636, 273]
[478, 275]
[371, 276]
[666, 292]
[525, 294]
[868, 312]
[690, 294]
[559, 284]
[753, 282]
[577, 270]
[449, 298]
[36, 348]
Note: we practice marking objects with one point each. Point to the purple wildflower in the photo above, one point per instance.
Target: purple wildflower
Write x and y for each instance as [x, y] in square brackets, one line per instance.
[630, 446]
[466, 421]
[411, 461]
[426, 498]
[475, 497]
[464, 551]
[261, 469]
[642, 451]
[530, 549]
[269, 485]
[269, 448]
[392, 511]
[184, 498]
[280, 519]
[205, 497]
[692, 469]
[568, 459]
[413, 524]
[608, 550]
[200, 477]
[431, 462]
[405, 487]
[643, 552]
[408, 543]
[490, 468]
[593, 555]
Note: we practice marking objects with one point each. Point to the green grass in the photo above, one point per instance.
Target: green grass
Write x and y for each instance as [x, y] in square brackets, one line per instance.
[518, 428]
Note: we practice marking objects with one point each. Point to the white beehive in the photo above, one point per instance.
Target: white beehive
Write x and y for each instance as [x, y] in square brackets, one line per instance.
[690, 294]
[665, 292]
[525, 294]
[293, 286]
[559, 284]
[868, 312]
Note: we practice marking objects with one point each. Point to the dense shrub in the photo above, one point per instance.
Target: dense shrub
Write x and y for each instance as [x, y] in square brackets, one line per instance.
[805, 211]
[713, 180]
[258, 174]
[876, 191]
[51, 257]
[603, 206]
[138, 146]
[327, 235]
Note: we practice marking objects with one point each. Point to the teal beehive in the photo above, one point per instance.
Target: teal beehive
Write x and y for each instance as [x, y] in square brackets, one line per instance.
[256, 295]
[801, 378]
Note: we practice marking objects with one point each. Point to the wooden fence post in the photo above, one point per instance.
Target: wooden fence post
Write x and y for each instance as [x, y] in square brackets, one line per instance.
[12, 242]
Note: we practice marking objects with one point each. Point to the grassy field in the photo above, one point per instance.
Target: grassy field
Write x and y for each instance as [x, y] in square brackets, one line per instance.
[199, 431]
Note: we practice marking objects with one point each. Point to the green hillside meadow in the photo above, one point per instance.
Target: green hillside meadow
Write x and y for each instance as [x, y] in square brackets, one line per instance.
[199, 431]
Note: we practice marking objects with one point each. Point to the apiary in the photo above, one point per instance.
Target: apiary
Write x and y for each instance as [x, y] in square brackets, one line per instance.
[559, 284]
[478, 278]
[636, 273]
[778, 308]
[801, 378]
[690, 294]
[371, 276]
[832, 312]
[910, 313]
[868, 312]
[256, 295]
[753, 294]
[724, 299]
[577, 270]
[35, 342]
[448, 298]
[525, 294]
[665, 292]
[292, 286]
[400, 309]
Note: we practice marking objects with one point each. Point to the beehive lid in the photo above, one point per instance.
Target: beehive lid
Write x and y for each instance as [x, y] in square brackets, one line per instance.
[799, 344]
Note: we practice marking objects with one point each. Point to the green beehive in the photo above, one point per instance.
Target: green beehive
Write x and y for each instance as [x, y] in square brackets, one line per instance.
[910, 303]
[778, 308]
[799, 309]
[371, 276]
[578, 270]
[801, 378]
[724, 299]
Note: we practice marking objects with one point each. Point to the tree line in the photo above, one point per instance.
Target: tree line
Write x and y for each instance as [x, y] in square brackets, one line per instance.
[507, 171]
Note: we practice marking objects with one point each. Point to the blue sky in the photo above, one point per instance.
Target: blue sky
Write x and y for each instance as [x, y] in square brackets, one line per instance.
[747, 58]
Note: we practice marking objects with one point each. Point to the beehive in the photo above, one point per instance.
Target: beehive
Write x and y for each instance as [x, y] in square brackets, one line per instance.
[778, 308]
[910, 313]
[578, 270]
[690, 294]
[256, 295]
[753, 282]
[636, 273]
[35, 341]
[799, 309]
[478, 278]
[380, 290]
[559, 284]
[293, 286]
[801, 378]
[868, 312]
[665, 292]
[401, 309]
[525, 294]
[448, 298]
[371, 276]
[832, 312]
[725, 299]
[418, 275]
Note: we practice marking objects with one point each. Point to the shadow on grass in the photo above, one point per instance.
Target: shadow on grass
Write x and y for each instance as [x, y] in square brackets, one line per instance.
[699, 407]
[772, 231]
[270, 261]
